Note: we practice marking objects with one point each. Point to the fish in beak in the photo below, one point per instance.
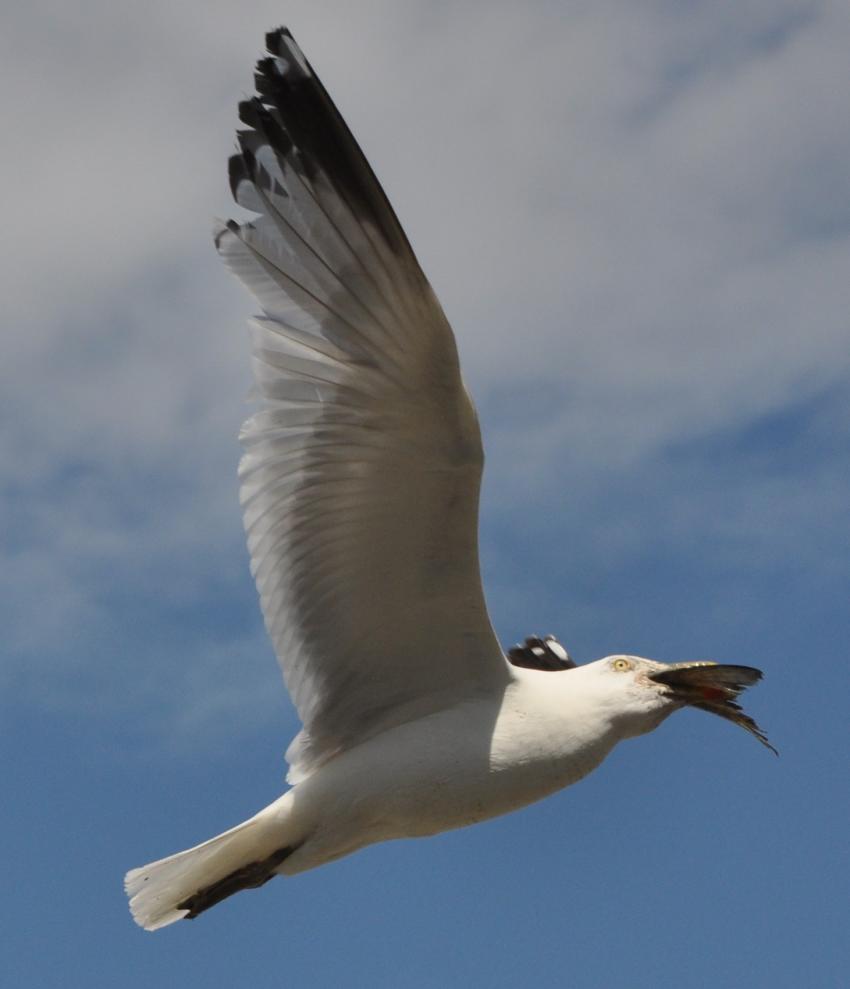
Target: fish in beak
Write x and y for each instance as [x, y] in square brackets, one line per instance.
[712, 687]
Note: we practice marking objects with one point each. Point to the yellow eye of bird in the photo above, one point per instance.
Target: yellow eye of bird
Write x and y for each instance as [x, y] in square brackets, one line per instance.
[621, 665]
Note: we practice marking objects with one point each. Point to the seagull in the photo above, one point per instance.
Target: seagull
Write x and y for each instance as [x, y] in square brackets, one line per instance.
[359, 487]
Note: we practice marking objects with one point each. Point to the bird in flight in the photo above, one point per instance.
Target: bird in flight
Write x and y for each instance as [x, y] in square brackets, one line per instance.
[359, 488]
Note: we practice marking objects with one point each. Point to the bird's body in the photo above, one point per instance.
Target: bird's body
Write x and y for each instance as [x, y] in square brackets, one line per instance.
[359, 488]
[456, 767]
[483, 757]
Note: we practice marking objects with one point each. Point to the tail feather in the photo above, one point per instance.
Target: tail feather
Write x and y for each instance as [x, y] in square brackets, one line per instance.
[186, 884]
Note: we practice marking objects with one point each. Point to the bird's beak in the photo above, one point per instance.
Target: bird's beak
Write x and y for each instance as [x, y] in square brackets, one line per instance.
[712, 687]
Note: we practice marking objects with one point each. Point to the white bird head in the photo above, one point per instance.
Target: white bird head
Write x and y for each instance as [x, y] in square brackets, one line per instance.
[640, 693]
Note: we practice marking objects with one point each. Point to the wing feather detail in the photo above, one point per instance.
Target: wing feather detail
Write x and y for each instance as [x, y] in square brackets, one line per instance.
[361, 471]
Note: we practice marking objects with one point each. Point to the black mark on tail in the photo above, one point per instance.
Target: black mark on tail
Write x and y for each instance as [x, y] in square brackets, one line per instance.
[250, 876]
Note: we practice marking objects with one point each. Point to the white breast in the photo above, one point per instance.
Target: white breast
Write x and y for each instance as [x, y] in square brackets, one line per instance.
[457, 767]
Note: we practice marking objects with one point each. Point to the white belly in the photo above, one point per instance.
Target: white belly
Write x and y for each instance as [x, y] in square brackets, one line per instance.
[446, 771]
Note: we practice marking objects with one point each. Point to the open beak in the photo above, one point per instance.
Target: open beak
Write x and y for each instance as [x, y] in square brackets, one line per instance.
[713, 687]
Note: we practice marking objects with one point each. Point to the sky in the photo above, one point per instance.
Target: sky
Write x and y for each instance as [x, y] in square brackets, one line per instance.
[636, 214]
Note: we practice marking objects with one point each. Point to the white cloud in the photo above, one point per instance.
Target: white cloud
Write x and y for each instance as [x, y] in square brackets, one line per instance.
[635, 215]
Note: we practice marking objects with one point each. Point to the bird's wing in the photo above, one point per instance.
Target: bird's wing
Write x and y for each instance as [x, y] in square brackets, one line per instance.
[361, 471]
[541, 654]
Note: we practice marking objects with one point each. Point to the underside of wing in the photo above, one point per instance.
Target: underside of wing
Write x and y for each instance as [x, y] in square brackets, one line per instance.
[361, 471]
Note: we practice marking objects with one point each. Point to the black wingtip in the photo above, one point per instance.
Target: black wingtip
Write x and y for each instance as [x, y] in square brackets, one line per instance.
[237, 171]
[294, 116]
[282, 46]
[230, 226]
[248, 112]
[259, 118]
[273, 42]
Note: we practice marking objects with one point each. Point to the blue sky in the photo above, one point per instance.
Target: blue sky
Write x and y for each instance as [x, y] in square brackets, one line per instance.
[637, 216]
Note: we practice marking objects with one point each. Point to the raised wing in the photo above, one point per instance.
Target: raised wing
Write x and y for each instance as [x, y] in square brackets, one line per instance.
[361, 472]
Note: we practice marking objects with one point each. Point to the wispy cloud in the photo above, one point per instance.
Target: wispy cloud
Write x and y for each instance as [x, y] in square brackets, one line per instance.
[636, 217]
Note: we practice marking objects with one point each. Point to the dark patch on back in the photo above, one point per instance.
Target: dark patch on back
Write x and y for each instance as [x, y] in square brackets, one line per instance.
[538, 653]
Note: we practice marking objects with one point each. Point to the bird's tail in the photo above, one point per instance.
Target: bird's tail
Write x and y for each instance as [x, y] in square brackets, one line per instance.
[186, 884]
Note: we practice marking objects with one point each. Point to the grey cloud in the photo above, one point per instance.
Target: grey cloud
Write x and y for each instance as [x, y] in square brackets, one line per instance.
[634, 213]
